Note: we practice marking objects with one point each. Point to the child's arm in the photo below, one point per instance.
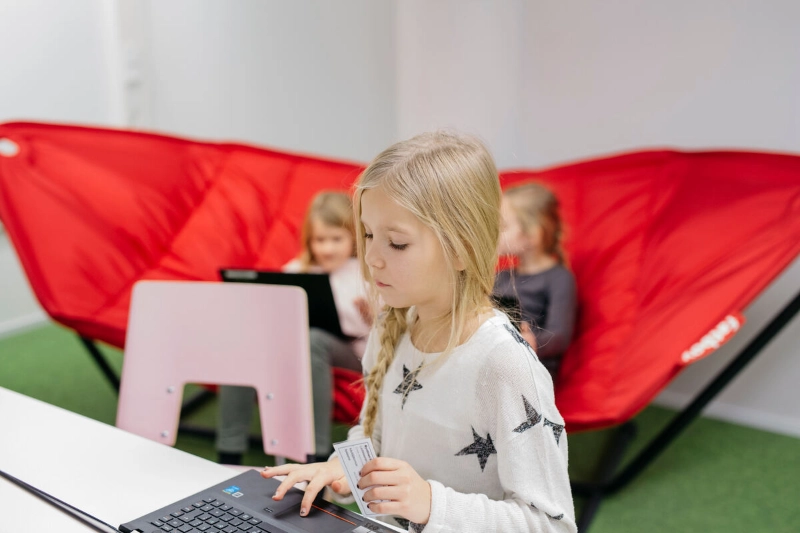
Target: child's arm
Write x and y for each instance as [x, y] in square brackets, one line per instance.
[554, 336]
[527, 441]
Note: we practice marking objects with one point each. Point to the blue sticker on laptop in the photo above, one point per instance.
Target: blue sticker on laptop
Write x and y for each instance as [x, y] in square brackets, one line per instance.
[231, 489]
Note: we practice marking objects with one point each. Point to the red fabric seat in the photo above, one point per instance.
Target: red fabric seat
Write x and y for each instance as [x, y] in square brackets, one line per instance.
[664, 245]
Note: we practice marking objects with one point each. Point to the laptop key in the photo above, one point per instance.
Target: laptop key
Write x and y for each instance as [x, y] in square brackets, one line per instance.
[254, 521]
[157, 523]
[175, 523]
[166, 528]
[203, 527]
[235, 522]
[226, 517]
[209, 500]
[176, 514]
[198, 504]
[244, 526]
[231, 529]
[216, 503]
[245, 517]
[195, 522]
[187, 509]
[226, 507]
[235, 512]
[207, 508]
[184, 528]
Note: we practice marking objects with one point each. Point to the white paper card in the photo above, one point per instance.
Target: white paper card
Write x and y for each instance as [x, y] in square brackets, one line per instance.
[353, 455]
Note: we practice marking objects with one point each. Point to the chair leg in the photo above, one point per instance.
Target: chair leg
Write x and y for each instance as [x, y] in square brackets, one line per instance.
[101, 362]
[596, 491]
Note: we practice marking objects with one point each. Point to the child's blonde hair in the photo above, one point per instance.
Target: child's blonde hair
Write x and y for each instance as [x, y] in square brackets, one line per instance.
[450, 183]
[332, 208]
[536, 205]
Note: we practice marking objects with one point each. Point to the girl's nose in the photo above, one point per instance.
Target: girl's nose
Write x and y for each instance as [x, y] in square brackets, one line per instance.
[372, 258]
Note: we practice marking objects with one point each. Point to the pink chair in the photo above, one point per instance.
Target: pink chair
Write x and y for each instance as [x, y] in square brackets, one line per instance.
[183, 332]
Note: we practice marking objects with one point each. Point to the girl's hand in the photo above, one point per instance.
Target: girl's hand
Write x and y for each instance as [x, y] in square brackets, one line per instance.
[364, 309]
[409, 495]
[527, 334]
[318, 476]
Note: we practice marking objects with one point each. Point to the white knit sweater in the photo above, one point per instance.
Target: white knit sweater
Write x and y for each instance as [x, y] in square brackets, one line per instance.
[482, 428]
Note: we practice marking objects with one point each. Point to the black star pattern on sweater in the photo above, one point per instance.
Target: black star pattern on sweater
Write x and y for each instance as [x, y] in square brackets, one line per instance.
[533, 417]
[519, 339]
[409, 383]
[483, 448]
[406, 524]
[557, 429]
[559, 517]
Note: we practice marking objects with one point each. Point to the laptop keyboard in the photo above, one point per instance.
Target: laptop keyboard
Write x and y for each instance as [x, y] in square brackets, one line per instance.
[243, 504]
[209, 516]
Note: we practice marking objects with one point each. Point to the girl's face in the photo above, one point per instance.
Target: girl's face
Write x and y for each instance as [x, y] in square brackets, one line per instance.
[331, 246]
[513, 238]
[404, 257]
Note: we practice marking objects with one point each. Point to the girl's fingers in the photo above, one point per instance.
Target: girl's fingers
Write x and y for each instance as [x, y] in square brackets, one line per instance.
[341, 486]
[378, 477]
[385, 493]
[393, 508]
[381, 463]
[272, 471]
[286, 484]
[313, 488]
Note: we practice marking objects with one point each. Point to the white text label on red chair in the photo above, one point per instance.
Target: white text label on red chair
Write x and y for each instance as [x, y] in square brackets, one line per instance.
[715, 338]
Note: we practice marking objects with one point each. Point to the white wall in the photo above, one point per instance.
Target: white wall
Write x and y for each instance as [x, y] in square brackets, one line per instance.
[549, 82]
[311, 76]
[53, 67]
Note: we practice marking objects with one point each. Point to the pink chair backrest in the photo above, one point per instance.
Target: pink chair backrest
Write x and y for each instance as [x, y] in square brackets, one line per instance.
[183, 332]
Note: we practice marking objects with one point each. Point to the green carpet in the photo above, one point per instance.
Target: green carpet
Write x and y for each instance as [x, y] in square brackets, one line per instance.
[717, 477]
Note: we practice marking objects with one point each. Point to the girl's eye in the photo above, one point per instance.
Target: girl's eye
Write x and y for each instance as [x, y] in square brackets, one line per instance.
[398, 246]
[368, 236]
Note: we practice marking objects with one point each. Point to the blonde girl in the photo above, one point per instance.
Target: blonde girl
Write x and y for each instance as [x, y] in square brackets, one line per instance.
[459, 409]
[531, 231]
[328, 240]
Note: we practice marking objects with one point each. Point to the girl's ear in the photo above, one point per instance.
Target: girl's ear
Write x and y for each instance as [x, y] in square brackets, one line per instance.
[459, 264]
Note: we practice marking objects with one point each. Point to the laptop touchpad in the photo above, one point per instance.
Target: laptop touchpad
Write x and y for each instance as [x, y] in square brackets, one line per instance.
[291, 500]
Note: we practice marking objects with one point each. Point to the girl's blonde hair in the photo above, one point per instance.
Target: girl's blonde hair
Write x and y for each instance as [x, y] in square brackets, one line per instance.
[332, 208]
[536, 205]
[450, 183]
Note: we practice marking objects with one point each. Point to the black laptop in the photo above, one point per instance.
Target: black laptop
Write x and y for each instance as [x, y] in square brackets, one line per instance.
[321, 305]
[244, 504]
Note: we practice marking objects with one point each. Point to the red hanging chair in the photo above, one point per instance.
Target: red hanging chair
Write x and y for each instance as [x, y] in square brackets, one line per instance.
[667, 247]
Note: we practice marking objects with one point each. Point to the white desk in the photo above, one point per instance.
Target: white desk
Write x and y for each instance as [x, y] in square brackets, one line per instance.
[109, 473]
